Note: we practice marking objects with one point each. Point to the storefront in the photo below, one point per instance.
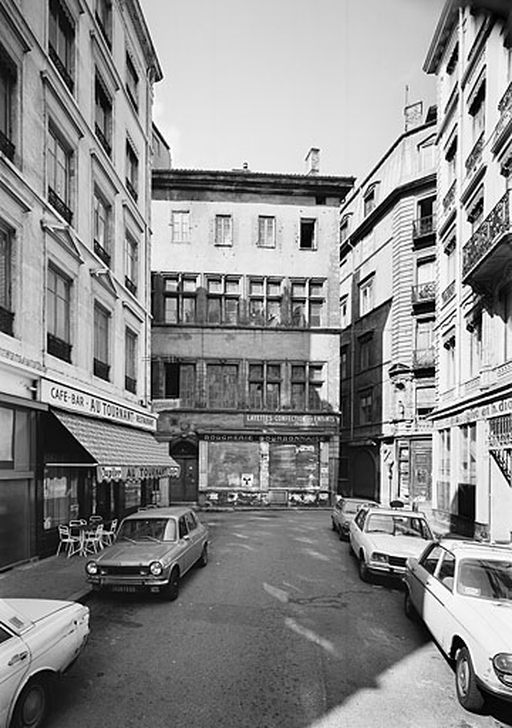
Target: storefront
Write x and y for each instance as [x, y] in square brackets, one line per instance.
[99, 457]
[277, 460]
[473, 470]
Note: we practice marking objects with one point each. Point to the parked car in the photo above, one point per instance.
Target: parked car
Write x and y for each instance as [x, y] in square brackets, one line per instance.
[39, 640]
[383, 538]
[152, 551]
[463, 592]
[343, 512]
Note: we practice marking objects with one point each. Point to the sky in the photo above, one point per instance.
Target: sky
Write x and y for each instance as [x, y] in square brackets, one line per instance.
[262, 81]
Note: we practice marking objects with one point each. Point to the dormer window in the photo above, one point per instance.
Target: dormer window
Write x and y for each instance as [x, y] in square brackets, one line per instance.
[370, 199]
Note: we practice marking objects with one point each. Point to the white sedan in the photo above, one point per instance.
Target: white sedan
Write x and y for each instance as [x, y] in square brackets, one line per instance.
[383, 538]
[463, 592]
[39, 640]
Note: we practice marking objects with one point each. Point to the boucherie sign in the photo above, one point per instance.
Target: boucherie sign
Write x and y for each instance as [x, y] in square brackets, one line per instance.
[76, 400]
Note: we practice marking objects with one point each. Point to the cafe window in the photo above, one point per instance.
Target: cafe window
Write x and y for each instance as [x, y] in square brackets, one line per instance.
[60, 498]
[7, 438]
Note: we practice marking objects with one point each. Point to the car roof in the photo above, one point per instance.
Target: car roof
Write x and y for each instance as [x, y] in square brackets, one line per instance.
[356, 499]
[462, 547]
[395, 512]
[169, 512]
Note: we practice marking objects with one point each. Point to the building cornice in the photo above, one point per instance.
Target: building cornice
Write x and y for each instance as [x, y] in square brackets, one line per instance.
[442, 33]
[243, 181]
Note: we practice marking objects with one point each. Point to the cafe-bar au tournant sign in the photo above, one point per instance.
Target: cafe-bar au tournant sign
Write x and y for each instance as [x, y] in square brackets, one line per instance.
[80, 402]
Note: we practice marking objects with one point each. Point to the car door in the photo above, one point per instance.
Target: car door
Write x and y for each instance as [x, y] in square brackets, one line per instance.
[439, 616]
[14, 665]
[185, 557]
[421, 572]
[194, 532]
[356, 531]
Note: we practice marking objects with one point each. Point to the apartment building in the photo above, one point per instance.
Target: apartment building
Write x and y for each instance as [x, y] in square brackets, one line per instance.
[387, 307]
[471, 57]
[245, 336]
[76, 427]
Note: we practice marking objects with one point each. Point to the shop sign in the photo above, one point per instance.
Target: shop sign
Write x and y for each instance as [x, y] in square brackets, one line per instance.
[75, 400]
[134, 472]
[243, 437]
[476, 413]
[291, 420]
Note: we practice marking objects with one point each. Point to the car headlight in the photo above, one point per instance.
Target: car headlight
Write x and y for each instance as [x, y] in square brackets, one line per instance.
[502, 663]
[381, 558]
[155, 568]
[91, 568]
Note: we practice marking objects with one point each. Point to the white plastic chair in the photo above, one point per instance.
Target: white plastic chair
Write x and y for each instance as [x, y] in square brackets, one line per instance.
[108, 535]
[92, 540]
[68, 541]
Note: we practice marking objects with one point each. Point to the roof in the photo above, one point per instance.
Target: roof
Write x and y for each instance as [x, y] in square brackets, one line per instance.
[110, 444]
[246, 181]
[170, 512]
[447, 20]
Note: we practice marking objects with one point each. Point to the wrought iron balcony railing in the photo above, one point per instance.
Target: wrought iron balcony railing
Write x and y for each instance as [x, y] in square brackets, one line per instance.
[6, 321]
[6, 146]
[505, 119]
[424, 292]
[424, 358]
[101, 252]
[423, 226]
[487, 236]
[58, 204]
[58, 347]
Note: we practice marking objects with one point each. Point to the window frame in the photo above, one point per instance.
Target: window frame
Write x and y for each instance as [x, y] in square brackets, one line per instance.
[103, 113]
[266, 237]
[8, 85]
[130, 362]
[102, 324]
[180, 223]
[132, 82]
[62, 41]
[223, 231]
[308, 232]
[132, 170]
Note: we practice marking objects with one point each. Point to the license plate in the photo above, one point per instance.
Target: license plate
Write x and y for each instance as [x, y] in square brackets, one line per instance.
[124, 588]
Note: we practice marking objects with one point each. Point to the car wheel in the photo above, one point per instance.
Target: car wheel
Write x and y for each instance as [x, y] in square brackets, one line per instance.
[410, 611]
[364, 574]
[203, 559]
[172, 589]
[33, 704]
[468, 692]
[333, 525]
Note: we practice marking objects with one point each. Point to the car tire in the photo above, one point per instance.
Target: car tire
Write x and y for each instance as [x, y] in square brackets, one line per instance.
[333, 525]
[33, 704]
[364, 574]
[468, 692]
[409, 609]
[172, 589]
[203, 559]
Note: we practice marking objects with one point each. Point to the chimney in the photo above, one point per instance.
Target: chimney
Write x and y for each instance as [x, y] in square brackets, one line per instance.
[413, 115]
[313, 161]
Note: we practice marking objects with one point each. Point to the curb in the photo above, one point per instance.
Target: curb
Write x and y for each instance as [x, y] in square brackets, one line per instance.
[80, 595]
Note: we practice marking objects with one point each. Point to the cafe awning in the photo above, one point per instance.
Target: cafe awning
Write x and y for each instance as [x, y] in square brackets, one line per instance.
[121, 453]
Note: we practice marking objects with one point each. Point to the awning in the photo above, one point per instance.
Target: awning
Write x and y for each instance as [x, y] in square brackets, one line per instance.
[121, 453]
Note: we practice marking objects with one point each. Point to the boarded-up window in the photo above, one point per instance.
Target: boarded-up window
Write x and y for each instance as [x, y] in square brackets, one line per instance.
[294, 465]
[222, 385]
[234, 465]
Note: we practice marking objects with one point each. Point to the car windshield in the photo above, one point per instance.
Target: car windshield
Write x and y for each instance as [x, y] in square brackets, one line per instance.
[398, 525]
[148, 529]
[351, 507]
[485, 579]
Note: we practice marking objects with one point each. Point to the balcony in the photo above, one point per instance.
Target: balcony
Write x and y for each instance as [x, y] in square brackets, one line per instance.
[59, 205]
[503, 128]
[130, 384]
[449, 199]
[423, 227]
[6, 146]
[103, 139]
[424, 293]
[101, 370]
[58, 347]
[66, 76]
[6, 321]
[488, 253]
[101, 252]
[130, 285]
[475, 156]
[424, 358]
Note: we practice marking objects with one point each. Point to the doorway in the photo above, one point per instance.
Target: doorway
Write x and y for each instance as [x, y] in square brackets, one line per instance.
[184, 488]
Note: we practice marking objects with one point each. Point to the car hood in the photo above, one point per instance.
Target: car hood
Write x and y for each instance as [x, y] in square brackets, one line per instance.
[25, 612]
[493, 619]
[125, 553]
[397, 545]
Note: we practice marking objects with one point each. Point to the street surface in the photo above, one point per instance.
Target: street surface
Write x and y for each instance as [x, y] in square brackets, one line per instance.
[276, 632]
